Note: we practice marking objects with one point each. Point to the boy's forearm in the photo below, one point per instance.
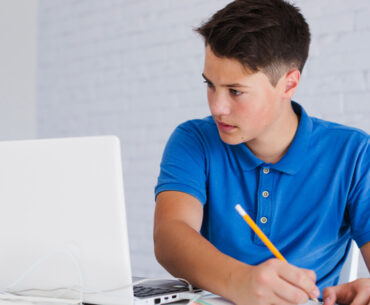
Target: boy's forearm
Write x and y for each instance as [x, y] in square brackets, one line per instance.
[186, 254]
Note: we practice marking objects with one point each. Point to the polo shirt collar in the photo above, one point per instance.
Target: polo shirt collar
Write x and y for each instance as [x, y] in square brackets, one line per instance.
[293, 159]
[247, 159]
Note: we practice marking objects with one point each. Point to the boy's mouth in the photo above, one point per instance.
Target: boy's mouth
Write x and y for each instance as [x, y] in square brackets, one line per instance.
[225, 127]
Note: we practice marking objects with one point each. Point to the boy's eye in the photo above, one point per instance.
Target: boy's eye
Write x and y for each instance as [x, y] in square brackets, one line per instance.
[235, 92]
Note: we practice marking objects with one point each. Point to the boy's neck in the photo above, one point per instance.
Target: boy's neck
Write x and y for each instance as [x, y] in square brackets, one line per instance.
[273, 145]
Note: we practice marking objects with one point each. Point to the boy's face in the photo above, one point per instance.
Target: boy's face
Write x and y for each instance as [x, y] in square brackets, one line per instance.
[246, 107]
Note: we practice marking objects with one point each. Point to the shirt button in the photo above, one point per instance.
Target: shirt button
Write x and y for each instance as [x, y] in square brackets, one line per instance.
[266, 170]
[263, 219]
[265, 194]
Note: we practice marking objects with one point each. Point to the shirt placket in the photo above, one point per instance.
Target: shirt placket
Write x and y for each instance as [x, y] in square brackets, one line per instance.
[264, 202]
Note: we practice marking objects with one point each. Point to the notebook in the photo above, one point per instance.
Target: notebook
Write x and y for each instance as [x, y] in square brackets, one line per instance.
[63, 223]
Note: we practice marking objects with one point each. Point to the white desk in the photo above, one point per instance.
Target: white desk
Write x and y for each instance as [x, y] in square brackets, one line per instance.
[215, 300]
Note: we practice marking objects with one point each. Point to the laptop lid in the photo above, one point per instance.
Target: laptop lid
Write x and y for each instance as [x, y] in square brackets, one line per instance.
[63, 219]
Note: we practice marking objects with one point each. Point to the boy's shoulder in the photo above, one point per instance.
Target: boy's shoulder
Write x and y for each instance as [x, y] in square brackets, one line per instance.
[200, 132]
[203, 127]
[340, 132]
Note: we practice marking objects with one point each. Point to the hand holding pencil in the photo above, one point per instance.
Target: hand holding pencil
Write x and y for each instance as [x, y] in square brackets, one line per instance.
[313, 292]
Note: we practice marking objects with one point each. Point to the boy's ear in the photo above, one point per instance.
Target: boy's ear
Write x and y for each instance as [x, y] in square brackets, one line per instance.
[291, 82]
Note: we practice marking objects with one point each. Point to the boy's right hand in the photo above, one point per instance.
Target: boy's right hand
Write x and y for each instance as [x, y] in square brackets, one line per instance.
[272, 282]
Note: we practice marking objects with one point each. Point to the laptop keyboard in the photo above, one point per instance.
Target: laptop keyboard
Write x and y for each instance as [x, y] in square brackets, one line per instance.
[144, 291]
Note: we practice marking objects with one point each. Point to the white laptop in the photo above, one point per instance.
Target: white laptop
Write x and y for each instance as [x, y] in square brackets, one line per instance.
[63, 223]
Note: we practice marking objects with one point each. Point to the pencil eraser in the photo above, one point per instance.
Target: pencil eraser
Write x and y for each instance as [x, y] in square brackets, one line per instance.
[240, 210]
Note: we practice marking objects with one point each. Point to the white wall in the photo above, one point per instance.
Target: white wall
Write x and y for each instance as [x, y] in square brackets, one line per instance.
[18, 29]
[132, 68]
[336, 80]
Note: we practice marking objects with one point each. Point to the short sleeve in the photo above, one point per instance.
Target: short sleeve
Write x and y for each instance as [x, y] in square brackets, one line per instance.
[183, 166]
[359, 197]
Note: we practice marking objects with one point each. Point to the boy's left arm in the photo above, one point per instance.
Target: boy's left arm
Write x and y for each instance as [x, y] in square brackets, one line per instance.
[365, 250]
[354, 293]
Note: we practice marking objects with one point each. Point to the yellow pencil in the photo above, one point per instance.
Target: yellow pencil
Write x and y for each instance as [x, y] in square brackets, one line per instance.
[262, 236]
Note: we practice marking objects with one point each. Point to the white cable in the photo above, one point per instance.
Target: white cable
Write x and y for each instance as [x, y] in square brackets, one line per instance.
[101, 292]
[11, 297]
[109, 291]
[9, 292]
[200, 296]
[194, 299]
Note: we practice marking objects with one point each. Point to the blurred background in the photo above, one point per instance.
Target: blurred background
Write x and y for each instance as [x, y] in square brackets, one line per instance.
[133, 68]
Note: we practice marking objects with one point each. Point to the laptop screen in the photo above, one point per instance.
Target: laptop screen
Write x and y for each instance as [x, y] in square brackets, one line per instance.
[63, 219]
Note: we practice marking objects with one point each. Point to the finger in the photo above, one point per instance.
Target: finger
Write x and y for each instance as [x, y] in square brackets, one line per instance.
[329, 295]
[362, 298]
[278, 300]
[341, 294]
[290, 293]
[311, 274]
[300, 279]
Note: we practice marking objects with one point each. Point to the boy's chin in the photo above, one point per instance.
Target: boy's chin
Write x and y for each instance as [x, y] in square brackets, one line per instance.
[232, 140]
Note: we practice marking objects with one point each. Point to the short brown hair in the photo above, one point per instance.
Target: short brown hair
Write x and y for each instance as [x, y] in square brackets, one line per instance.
[270, 36]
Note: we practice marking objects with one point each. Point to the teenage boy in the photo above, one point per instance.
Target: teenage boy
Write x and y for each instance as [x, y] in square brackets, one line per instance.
[305, 181]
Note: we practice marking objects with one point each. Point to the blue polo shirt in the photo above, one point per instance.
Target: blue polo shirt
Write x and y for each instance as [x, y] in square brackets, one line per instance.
[310, 204]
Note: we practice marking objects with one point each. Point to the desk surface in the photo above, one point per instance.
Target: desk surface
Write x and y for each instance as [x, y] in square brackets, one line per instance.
[215, 300]
[206, 300]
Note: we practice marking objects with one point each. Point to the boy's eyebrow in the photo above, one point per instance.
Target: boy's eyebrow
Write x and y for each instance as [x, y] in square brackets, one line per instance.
[226, 85]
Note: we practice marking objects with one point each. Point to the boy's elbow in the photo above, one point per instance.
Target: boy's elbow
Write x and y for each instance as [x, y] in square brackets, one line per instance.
[158, 247]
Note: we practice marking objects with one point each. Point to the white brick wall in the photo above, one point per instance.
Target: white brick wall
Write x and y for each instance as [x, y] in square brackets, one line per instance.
[132, 68]
[335, 82]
